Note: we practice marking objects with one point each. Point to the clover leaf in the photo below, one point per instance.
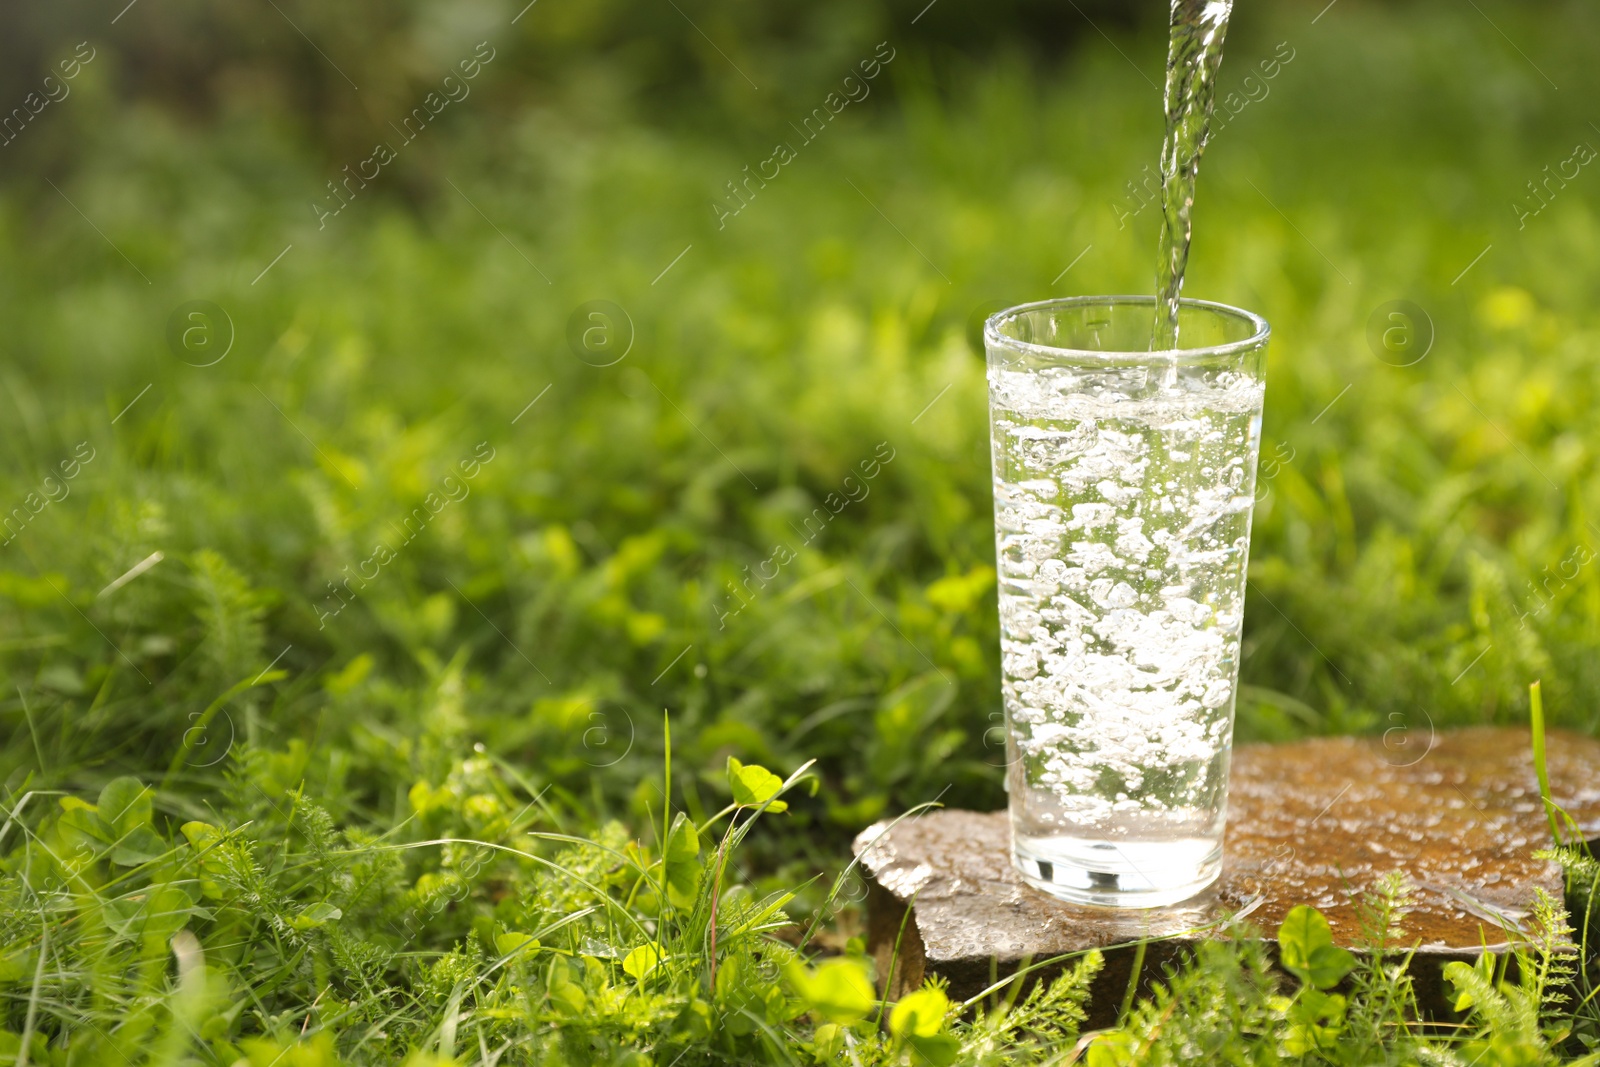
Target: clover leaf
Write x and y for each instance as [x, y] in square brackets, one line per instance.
[1305, 943]
[682, 862]
[838, 990]
[754, 786]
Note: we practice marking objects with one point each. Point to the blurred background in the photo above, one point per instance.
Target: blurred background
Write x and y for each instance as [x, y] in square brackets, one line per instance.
[666, 279]
[335, 75]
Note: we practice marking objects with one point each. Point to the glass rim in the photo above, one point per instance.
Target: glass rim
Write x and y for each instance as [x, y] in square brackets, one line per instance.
[1259, 333]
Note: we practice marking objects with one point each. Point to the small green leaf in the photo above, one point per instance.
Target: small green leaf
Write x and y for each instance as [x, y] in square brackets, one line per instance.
[16, 964]
[11, 1048]
[827, 1042]
[125, 804]
[1460, 975]
[123, 915]
[140, 845]
[511, 942]
[169, 911]
[838, 990]
[316, 915]
[1306, 947]
[1115, 1048]
[940, 1050]
[1315, 1021]
[562, 988]
[683, 867]
[425, 799]
[642, 961]
[921, 1014]
[569, 995]
[204, 839]
[81, 827]
[694, 1023]
[754, 785]
[1304, 929]
[1329, 965]
[1321, 1007]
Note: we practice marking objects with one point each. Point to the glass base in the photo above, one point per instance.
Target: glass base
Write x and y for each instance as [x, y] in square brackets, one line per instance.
[1126, 874]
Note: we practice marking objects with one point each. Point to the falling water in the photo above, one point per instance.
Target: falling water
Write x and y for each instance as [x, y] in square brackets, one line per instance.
[1193, 56]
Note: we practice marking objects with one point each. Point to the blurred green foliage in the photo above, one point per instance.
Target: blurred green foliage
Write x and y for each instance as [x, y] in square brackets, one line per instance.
[334, 72]
[206, 587]
[1412, 518]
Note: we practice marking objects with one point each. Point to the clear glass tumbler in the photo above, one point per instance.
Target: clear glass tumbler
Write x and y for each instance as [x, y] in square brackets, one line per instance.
[1123, 485]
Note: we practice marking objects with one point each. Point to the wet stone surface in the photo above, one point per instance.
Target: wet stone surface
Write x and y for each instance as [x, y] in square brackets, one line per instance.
[1314, 822]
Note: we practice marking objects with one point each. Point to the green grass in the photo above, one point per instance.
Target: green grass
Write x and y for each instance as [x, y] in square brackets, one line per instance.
[1424, 552]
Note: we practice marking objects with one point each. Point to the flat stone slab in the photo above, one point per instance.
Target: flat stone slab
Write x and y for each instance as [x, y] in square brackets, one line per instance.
[1313, 822]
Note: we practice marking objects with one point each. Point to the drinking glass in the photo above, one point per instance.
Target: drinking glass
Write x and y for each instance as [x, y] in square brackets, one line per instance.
[1123, 486]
